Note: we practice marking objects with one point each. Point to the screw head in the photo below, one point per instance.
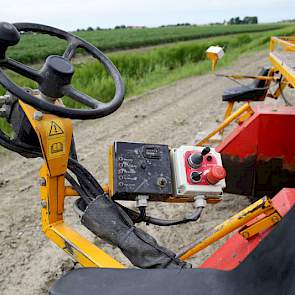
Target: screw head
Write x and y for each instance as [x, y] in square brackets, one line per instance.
[275, 219]
[38, 116]
[43, 204]
[162, 182]
[42, 181]
[245, 235]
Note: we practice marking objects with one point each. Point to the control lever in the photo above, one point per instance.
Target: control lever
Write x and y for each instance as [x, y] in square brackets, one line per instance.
[206, 150]
[196, 159]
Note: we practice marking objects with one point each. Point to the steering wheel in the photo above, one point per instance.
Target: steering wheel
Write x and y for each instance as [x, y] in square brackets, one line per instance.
[54, 78]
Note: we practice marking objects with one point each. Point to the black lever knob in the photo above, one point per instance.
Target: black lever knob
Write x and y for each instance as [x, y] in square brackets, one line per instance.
[195, 160]
[206, 150]
[9, 36]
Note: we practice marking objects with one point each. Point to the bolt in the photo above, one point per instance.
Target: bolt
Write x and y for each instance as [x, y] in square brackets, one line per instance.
[43, 204]
[3, 111]
[38, 116]
[3, 99]
[42, 181]
[245, 235]
[275, 219]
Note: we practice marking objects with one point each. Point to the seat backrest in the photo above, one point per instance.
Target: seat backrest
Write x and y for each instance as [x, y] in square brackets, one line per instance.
[262, 83]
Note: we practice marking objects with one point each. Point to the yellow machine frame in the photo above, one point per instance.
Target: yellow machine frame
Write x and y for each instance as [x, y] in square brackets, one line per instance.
[55, 136]
[279, 64]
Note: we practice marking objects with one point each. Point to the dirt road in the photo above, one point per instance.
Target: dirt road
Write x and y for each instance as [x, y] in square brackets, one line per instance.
[173, 115]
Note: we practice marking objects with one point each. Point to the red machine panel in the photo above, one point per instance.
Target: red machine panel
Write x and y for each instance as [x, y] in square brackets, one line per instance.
[237, 248]
[259, 155]
[209, 162]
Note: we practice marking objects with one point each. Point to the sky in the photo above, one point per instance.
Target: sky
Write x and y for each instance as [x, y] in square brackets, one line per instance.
[73, 14]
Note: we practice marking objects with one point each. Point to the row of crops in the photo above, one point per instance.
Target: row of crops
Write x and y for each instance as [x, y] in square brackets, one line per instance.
[33, 48]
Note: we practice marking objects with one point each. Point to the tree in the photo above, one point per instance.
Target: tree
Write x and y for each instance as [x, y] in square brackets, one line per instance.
[245, 20]
[250, 20]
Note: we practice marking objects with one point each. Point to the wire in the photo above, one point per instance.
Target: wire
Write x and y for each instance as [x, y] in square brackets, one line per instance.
[142, 217]
[88, 187]
[236, 81]
[78, 188]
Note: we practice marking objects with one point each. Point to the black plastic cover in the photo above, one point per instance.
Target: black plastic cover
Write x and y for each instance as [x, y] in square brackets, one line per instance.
[255, 91]
[9, 36]
[269, 269]
[109, 222]
[141, 169]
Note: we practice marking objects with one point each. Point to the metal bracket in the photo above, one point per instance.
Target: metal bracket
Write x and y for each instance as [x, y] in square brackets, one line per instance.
[259, 226]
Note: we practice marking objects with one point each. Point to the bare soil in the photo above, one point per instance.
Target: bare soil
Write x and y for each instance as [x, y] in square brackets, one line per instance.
[172, 115]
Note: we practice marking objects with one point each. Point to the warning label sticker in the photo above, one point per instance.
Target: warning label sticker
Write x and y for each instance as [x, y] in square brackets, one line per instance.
[56, 148]
[56, 139]
[55, 129]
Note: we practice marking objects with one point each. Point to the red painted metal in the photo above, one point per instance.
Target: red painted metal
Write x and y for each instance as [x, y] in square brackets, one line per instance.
[203, 169]
[237, 248]
[216, 174]
[259, 155]
[269, 133]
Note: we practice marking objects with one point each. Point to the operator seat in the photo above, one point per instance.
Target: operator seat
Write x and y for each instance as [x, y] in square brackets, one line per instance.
[255, 91]
[269, 269]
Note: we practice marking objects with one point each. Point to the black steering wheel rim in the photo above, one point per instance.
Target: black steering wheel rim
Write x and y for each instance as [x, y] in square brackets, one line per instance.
[98, 109]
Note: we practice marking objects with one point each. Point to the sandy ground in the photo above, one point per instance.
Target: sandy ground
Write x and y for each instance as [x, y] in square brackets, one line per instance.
[172, 115]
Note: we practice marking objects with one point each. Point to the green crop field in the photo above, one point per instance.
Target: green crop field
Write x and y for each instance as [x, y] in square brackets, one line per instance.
[149, 69]
[33, 48]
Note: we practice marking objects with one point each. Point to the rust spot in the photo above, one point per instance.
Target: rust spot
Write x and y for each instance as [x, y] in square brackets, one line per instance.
[257, 177]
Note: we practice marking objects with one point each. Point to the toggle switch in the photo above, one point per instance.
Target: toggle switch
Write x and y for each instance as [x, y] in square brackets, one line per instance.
[195, 176]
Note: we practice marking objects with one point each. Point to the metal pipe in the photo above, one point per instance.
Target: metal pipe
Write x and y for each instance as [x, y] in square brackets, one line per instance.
[261, 206]
[245, 108]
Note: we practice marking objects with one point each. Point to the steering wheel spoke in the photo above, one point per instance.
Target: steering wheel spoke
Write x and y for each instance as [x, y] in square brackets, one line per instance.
[22, 69]
[82, 97]
[71, 49]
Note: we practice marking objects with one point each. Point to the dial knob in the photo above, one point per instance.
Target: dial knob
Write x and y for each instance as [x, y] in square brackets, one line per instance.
[195, 160]
[9, 36]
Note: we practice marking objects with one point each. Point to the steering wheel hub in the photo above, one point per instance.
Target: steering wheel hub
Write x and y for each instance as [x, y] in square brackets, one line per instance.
[59, 65]
[56, 73]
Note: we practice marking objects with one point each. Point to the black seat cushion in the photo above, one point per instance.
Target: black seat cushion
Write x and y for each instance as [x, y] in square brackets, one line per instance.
[269, 269]
[255, 91]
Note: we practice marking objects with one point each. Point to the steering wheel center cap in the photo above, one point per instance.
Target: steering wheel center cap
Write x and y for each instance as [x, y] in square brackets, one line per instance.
[56, 73]
[60, 65]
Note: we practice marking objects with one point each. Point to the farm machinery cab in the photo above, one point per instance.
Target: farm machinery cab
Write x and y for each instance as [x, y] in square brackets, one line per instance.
[138, 172]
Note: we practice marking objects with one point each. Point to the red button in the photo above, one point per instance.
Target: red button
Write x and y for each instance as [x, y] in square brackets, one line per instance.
[216, 174]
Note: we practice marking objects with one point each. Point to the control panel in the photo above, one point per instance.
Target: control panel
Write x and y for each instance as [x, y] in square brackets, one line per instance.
[155, 171]
[139, 169]
[197, 170]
